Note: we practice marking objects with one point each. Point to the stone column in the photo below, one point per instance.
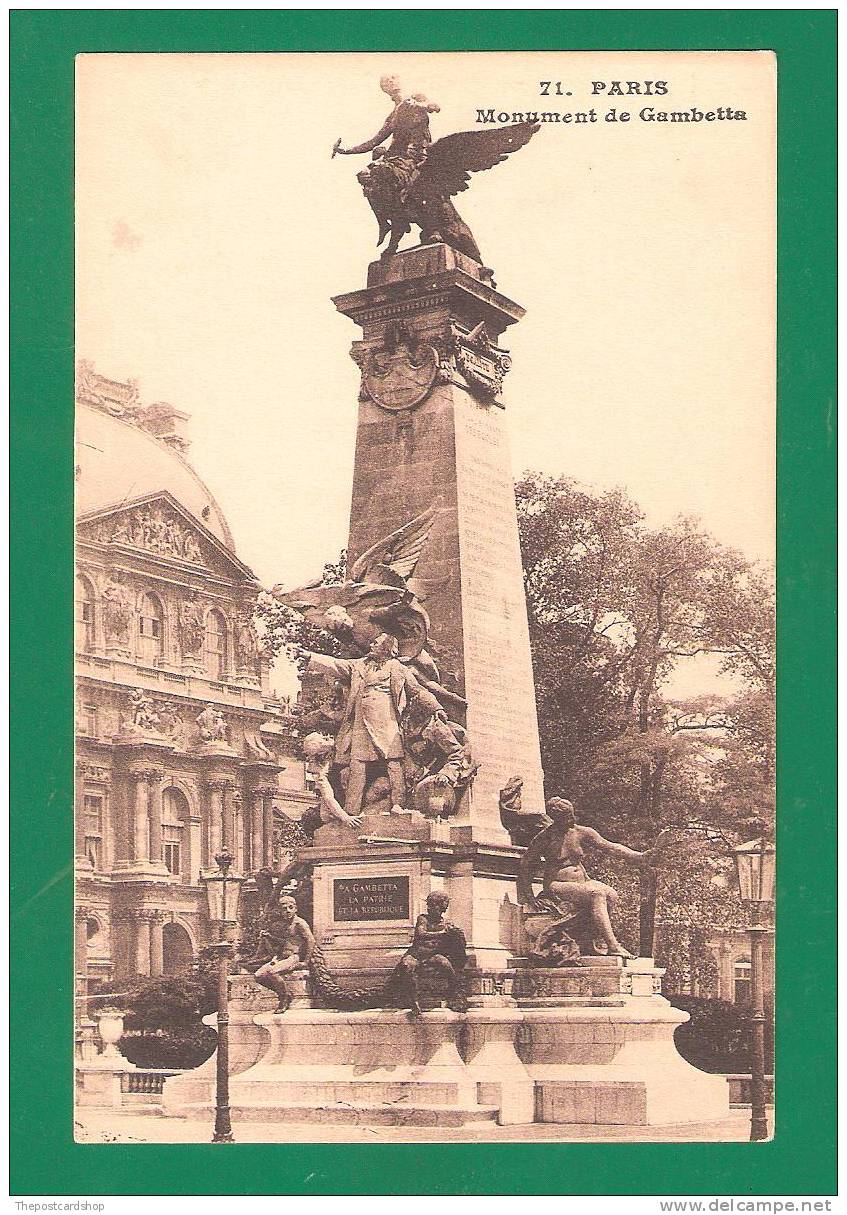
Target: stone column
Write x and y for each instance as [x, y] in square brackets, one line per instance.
[267, 826]
[142, 943]
[79, 834]
[154, 808]
[138, 833]
[156, 943]
[237, 828]
[195, 849]
[216, 788]
[81, 950]
[257, 848]
[228, 808]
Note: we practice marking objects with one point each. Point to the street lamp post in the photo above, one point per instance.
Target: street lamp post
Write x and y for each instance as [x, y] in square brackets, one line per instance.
[216, 891]
[755, 866]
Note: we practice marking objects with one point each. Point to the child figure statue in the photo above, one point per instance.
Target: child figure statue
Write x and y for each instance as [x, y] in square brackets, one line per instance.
[289, 942]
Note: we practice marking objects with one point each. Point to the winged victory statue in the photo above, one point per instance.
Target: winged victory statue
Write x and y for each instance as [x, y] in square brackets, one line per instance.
[413, 179]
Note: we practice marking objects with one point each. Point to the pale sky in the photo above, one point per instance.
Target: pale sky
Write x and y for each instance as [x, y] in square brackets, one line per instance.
[213, 227]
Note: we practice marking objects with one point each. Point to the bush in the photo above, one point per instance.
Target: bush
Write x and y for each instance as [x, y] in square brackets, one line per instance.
[717, 1038]
[163, 1021]
[170, 1048]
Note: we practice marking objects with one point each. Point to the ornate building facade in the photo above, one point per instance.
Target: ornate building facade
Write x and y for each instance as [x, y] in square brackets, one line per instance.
[180, 746]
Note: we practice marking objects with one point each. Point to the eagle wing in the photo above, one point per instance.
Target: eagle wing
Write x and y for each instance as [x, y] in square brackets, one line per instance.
[451, 160]
[399, 552]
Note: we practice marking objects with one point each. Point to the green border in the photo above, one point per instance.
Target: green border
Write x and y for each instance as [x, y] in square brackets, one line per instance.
[801, 1160]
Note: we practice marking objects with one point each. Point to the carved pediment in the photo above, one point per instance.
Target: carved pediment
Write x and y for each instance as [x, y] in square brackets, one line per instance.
[160, 527]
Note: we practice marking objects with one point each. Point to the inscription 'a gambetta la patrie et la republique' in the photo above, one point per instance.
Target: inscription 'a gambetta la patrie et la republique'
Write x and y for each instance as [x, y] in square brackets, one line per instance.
[370, 898]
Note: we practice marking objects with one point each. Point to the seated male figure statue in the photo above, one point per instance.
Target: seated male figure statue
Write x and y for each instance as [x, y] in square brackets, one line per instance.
[290, 942]
[439, 950]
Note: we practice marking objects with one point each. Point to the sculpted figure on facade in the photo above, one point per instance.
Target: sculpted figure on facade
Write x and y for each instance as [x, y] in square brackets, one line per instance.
[191, 624]
[246, 641]
[117, 609]
[572, 914]
[156, 530]
[143, 714]
[412, 180]
[212, 725]
[169, 722]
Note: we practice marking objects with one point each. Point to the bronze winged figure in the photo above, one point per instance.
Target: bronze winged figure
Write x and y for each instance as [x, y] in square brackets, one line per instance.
[413, 179]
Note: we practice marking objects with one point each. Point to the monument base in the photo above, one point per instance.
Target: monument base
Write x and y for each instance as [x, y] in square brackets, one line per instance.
[368, 894]
[582, 1059]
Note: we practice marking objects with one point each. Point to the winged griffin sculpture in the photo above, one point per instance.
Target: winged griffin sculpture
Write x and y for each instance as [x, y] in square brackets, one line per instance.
[412, 180]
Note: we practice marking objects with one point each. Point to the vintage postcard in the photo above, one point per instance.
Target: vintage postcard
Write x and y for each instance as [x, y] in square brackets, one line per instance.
[424, 608]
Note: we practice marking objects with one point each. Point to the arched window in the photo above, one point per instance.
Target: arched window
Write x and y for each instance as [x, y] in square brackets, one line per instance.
[177, 953]
[84, 615]
[174, 819]
[741, 981]
[151, 630]
[215, 648]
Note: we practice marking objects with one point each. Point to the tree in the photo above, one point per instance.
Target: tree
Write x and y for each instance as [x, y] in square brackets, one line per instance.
[614, 608]
[280, 626]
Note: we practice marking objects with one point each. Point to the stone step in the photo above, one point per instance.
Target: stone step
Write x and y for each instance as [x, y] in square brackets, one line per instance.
[376, 1092]
[355, 1113]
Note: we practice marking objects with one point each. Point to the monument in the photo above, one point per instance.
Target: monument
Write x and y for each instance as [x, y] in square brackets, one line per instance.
[422, 743]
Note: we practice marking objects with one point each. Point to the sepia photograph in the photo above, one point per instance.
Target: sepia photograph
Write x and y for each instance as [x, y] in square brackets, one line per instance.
[425, 597]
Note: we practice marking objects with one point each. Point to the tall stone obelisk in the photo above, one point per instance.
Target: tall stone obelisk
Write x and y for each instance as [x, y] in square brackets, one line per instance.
[433, 428]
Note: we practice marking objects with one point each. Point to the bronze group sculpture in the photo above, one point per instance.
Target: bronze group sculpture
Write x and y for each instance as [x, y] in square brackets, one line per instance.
[412, 179]
[399, 739]
[380, 686]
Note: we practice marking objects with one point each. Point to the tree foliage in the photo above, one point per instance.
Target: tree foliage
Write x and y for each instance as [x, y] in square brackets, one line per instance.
[280, 626]
[616, 608]
[163, 1017]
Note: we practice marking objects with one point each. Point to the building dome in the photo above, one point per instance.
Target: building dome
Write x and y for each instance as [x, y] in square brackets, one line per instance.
[117, 461]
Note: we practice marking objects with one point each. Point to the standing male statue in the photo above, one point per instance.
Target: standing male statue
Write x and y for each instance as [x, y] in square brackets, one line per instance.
[380, 687]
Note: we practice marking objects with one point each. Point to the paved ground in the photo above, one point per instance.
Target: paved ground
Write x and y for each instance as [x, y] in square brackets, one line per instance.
[118, 1126]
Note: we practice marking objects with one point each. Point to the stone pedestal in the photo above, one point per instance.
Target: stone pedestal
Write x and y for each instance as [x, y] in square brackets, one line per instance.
[432, 426]
[368, 892]
[601, 1057]
[99, 1083]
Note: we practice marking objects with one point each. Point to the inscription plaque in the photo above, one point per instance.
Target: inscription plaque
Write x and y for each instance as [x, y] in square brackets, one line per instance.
[370, 898]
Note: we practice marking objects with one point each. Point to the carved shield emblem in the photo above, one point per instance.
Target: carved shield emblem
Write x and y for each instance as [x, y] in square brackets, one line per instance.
[401, 374]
